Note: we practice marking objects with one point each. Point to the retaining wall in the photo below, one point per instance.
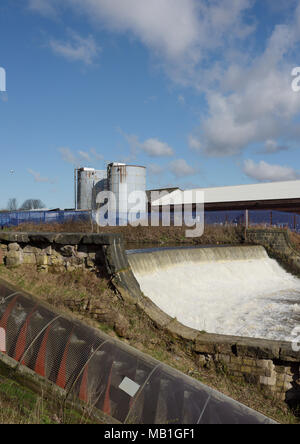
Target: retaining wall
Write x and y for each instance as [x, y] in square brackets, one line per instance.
[272, 365]
[278, 245]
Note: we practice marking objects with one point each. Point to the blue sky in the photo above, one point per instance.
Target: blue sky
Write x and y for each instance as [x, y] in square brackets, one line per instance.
[198, 91]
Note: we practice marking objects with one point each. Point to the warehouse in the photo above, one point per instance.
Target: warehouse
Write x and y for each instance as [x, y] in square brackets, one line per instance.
[279, 196]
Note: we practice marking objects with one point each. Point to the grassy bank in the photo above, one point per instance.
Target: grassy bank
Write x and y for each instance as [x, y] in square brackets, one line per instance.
[21, 405]
[92, 300]
[213, 234]
[146, 235]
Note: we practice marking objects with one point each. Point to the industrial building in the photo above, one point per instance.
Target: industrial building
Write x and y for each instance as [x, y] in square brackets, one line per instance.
[279, 196]
[229, 204]
[122, 180]
[119, 178]
[88, 182]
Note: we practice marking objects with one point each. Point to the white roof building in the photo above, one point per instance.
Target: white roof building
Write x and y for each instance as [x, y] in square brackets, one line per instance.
[278, 195]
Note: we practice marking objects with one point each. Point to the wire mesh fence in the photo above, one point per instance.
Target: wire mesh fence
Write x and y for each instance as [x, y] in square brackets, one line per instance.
[15, 218]
[265, 218]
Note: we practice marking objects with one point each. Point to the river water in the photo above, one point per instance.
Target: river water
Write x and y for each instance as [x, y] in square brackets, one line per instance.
[225, 290]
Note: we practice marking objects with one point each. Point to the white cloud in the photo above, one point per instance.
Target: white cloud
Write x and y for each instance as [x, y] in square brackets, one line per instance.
[152, 147]
[265, 172]
[96, 155]
[180, 168]
[169, 27]
[77, 48]
[194, 143]
[44, 7]
[155, 169]
[211, 46]
[255, 102]
[272, 146]
[90, 157]
[68, 156]
[174, 30]
[84, 155]
[156, 148]
[38, 178]
[181, 99]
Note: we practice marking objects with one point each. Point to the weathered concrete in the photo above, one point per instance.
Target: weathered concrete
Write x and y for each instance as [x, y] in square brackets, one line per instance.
[278, 245]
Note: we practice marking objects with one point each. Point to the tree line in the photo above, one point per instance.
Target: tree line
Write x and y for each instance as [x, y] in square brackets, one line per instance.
[28, 204]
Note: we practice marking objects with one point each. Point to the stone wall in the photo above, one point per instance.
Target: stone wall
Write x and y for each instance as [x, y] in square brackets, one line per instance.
[60, 251]
[271, 365]
[278, 245]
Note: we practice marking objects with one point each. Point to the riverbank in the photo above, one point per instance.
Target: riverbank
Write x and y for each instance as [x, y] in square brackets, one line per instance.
[145, 235]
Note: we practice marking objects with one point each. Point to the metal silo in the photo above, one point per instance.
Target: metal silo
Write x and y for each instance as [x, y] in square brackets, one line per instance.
[89, 183]
[123, 180]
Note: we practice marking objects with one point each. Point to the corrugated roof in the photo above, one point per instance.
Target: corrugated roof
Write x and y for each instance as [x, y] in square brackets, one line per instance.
[238, 193]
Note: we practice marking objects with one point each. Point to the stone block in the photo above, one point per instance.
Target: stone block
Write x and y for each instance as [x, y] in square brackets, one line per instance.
[81, 255]
[69, 238]
[249, 362]
[56, 260]
[29, 259]
[31, 249]
[265, 364]
[246, 369]
[14, 237]
[14, 258]
[268, 381]
[224, 358]
[68, 251]
[41, 259]
[14, 247]
[42, 238]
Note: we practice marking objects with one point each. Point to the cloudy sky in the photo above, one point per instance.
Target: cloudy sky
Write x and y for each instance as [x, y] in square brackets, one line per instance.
[199, 91]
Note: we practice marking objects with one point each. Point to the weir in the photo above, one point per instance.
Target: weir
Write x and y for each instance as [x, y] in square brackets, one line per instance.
[230, 290]
[233, 276]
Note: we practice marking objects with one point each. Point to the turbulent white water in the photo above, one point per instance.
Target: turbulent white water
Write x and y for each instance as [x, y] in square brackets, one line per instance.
[232, 290]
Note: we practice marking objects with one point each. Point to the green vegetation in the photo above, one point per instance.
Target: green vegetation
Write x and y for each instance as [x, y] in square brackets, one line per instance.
[21, 405]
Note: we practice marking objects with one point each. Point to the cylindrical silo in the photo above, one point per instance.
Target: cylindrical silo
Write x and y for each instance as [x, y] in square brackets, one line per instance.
[89, 183]
[124, 181]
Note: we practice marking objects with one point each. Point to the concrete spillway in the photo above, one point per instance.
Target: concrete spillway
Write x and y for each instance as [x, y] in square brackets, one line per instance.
[226, 290]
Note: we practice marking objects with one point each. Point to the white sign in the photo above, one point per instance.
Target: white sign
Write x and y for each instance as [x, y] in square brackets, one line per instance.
[128, 386]
[2, 340]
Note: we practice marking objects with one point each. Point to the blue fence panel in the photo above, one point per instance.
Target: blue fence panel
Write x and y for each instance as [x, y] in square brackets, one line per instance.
[256, 217]
[15, 218]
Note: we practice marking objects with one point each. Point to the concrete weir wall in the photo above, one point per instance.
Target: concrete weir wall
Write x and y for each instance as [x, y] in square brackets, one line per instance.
[272, 365]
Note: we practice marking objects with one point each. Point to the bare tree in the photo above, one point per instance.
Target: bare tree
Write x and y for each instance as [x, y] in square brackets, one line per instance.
[12, 204]
[32, 204]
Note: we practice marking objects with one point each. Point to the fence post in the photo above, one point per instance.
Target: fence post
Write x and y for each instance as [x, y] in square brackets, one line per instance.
[246, 223]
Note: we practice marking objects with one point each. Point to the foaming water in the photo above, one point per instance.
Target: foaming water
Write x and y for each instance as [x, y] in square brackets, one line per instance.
[225, 290]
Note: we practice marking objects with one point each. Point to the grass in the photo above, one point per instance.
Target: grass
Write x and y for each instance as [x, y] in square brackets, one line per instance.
[20, 405]
[213, 234]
